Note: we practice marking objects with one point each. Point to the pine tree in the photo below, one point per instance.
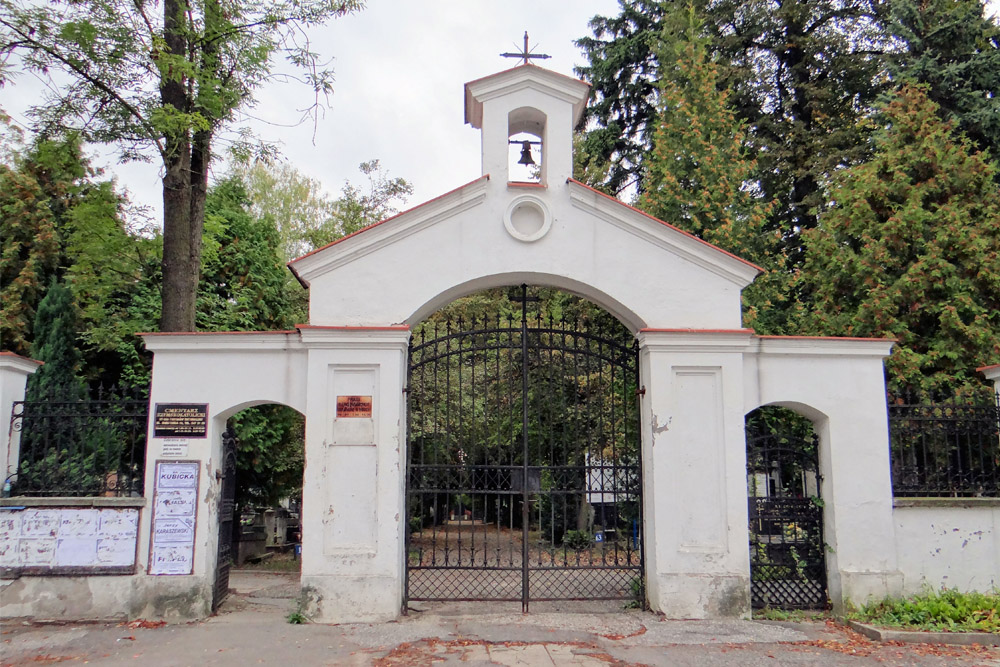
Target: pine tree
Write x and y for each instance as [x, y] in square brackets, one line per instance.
[952, 46]
[802, 73]
[699, 176]
[911, 250]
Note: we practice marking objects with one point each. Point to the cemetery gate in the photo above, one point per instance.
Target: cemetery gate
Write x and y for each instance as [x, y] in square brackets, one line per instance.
[787, 563]
[523, 479]
[228, 522]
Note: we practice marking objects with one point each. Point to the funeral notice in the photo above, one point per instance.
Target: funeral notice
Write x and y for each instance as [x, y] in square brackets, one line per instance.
[175, 508]
[68, 540]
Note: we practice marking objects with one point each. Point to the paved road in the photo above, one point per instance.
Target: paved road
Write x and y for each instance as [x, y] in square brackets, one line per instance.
[251, 630]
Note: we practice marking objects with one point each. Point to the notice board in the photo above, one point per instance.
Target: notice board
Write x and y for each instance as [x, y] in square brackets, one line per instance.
[68, 540]
[175, 509]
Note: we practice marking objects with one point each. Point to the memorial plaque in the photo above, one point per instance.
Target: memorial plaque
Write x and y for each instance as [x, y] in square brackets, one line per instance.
[354, 407]
[180, 420]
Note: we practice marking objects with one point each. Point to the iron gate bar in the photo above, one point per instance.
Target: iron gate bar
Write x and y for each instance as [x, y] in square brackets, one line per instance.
[787, 551]
[576, 399]
[228, 522]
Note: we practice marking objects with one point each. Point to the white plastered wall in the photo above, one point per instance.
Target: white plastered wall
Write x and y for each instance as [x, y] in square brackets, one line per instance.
[14, 372]
[700, 370]
[948, 542]
[229, 372]
[839, 385]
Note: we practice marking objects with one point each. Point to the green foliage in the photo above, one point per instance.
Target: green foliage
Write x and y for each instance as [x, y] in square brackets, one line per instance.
[946, 611]
[243, 288]
[164, 85]
[622, 70]
[801, 75]
[911, 250]
[637, 587]
[953, 48]
[699, 175]
[55, 346]
[297, 618]
[243, 277]
[358, 207]
[578, 539]
[60, 220]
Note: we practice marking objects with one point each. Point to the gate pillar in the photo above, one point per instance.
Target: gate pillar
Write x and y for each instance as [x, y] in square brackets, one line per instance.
[352, 495]
[694, 472]
[839, 385]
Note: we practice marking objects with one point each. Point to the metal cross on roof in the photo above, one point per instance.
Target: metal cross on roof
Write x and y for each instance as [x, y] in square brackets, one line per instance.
[526, 54]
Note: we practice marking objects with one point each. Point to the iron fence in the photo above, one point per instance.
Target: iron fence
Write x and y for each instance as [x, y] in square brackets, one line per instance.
[945, 449]
[74, 447]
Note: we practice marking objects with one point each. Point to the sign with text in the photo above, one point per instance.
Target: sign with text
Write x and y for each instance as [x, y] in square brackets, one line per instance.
[68, 540]
[180, 420]
[175, 448]
[354, 407]
[175, 507]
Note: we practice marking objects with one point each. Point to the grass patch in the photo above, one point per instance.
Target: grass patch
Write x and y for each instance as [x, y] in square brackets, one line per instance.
[947, 610]
[789, 615]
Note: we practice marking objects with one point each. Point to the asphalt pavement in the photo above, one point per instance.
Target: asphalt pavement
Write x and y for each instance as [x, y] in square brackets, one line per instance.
[252, 629]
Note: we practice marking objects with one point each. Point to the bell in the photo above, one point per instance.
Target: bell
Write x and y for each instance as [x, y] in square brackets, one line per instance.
[526, 154]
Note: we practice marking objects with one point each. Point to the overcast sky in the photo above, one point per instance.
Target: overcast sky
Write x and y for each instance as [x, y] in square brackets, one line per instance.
[400, 69]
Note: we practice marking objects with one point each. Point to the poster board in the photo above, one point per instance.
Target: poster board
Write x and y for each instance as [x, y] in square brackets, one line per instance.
[50, 540]
[175, 510]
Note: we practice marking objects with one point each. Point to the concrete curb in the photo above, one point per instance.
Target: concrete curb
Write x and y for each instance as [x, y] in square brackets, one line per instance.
[920, 637]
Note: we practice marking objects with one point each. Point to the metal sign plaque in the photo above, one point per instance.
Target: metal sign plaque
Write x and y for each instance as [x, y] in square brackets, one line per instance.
[180, 420]
[354, 407]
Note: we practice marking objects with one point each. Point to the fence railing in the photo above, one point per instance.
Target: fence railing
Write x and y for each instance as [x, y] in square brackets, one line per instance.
[89, 447]
[945, 450]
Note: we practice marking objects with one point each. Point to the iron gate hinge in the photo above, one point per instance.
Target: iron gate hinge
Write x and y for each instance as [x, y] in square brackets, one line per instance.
[641, 391]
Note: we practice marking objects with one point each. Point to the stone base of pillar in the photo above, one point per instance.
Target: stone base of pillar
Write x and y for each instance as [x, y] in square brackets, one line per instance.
[700, 596]
[345, 599]
[857, 588]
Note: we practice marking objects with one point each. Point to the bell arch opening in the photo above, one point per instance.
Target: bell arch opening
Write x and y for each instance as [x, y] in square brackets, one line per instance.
[526, 154]
[523, 452]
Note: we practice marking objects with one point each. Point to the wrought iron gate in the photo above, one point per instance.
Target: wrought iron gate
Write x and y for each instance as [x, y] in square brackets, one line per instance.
[787, 563]
[523, 479]
[227, 508]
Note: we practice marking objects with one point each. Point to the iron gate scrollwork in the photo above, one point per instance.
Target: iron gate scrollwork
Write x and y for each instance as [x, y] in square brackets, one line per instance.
[227, 520]
[787, 563]
[523, 479]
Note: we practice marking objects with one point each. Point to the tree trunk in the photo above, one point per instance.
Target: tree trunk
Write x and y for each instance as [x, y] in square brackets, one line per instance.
[180, 245]
[177, 295]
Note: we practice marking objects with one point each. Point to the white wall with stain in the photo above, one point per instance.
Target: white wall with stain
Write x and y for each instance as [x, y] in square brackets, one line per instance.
[948, 543]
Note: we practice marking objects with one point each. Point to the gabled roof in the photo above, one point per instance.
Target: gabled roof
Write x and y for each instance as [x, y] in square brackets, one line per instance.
[340, 251]
[573, 91]
[680, 242]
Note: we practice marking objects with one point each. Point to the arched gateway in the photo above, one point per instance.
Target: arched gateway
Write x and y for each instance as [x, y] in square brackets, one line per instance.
[699, 369]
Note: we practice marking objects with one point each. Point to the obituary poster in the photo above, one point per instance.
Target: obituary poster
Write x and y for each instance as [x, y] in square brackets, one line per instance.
[175, 507]
[68, 540]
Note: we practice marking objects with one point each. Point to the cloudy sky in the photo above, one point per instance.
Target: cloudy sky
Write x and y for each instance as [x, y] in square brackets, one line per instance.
[400, 68]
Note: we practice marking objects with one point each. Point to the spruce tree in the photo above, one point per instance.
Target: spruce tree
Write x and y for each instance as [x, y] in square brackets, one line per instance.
[911, 250]
[953, 47]
[55, 346]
